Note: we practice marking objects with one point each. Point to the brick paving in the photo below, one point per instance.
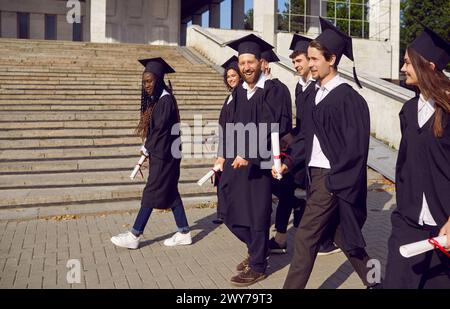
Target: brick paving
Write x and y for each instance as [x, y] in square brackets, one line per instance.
[34, 253]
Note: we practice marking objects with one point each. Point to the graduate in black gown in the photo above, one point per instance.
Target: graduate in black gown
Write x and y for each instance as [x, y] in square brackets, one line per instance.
[245, 185]
[304, 90]
[231, 79]
[334, 142]
[423, 169]
[159, 119]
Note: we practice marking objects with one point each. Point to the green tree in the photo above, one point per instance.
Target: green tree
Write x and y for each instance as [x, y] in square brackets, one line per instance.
[248, 20]
[292, 17]
[349, 16]
[434, 14]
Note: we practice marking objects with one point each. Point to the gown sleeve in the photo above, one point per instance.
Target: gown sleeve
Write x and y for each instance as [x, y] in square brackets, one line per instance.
[159, 137]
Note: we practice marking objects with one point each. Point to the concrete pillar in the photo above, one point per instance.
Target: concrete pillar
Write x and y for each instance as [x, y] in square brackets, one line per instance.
[264, 19]
[97, 26]
[314, 8]
[214, 15]
[395, 38]
[9, 24]
[37, 26]
[183, 33]
[197, 19]
[238, 14]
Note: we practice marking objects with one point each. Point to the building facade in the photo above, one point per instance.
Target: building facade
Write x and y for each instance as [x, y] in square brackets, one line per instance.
[374, 24]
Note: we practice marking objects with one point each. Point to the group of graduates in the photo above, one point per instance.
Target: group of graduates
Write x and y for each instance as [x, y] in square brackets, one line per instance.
[325, 153]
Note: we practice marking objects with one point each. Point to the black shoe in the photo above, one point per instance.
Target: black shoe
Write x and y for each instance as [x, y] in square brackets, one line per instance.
[247, 277]
[218, 221]
[275, 248]
[330, 249]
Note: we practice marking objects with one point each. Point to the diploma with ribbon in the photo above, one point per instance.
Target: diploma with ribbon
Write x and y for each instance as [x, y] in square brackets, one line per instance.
[275, 138]
[423, 246]
[137, 168]
[208, 175]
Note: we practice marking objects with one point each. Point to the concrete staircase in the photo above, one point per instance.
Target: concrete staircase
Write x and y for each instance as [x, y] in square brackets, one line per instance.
[67, 115]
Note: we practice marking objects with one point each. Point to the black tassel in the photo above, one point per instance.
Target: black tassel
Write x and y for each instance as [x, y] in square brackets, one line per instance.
[355, 77]
[170, 86]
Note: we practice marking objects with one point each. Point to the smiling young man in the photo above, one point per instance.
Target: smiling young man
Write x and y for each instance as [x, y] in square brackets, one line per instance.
[334, 142]
[245, 186]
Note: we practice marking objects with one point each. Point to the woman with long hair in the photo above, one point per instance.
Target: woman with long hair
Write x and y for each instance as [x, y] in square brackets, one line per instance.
[159, 115]
[231, 79]
[423, 169]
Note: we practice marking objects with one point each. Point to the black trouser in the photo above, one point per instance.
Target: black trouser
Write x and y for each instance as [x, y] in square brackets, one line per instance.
[257, 245]
[321, 218]
[429, 270]
[284, 189]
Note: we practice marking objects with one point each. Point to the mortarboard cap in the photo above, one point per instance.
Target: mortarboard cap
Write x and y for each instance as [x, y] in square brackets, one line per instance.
[337, 42]
[269, 56]
[231, 63]
[432, 47]
[156, 66]
[300, 43]
[250, 44]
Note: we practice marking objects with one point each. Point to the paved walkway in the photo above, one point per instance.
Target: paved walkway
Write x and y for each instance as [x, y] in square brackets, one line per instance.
[34, 253]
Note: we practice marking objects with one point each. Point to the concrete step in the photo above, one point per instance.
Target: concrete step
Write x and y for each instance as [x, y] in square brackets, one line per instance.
[93, 164]
[68, 150]
[18, 198]
[180, 90]
[93, 124]
[58, 142]
[98, 116]
[75, 179]
[183, 106]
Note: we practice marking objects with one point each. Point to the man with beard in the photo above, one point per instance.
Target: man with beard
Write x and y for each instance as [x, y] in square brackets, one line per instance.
[246, 187]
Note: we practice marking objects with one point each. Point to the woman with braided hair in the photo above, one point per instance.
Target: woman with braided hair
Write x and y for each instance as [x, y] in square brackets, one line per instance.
[159, 118]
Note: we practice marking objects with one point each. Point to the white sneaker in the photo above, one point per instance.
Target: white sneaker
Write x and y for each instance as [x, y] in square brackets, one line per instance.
[126, 240]
[178, 239]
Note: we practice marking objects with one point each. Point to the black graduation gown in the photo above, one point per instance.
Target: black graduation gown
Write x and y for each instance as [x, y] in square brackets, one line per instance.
[301, 99]
[284, 113]
[221, 151]
[164, 169]
[247, 191]
[422, 167]
[341, 123]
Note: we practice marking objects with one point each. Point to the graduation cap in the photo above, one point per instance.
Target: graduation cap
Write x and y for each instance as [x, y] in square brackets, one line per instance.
[269, 56]
[231, 63]
[432, 47]
[156, 66]
[250, 44]
[300, 43]
[337, 42]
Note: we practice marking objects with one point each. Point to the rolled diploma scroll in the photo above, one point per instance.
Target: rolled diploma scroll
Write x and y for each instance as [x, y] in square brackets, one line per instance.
[138, 166]
[420, 247]
[208, 175]
[275, 138]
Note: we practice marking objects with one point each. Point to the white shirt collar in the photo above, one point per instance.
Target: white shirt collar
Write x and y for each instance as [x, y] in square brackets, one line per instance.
[164, 93]
[260, 84]
[302, 81]
[422, 102]
[333, 83]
